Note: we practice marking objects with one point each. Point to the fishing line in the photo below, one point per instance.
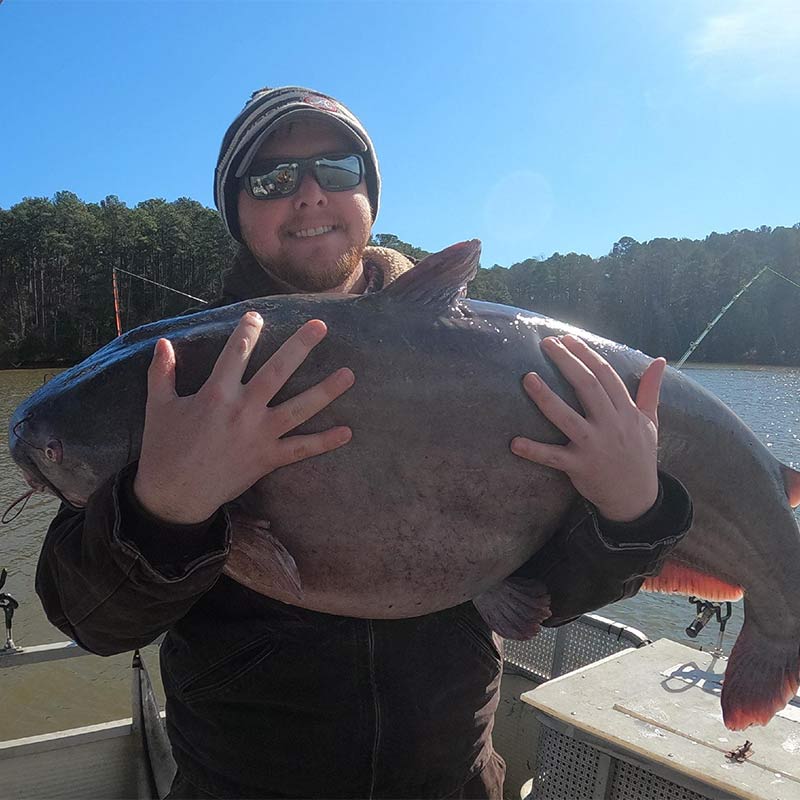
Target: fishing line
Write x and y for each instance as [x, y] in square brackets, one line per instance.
[22, 439]
[788, 280]
[162, 285]
[5, 519]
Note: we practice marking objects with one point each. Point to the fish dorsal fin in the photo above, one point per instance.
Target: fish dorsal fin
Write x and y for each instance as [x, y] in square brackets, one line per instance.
[791, 482]
[678, 578]
[438, 280]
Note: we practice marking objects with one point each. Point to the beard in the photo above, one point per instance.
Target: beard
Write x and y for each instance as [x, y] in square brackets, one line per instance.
[314, 265]
[312, 276]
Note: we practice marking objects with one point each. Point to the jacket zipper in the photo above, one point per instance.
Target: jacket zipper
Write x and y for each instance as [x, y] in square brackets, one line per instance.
[376, 705]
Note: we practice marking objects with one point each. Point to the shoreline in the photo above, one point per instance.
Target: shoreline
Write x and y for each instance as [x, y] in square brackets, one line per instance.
[60, 366]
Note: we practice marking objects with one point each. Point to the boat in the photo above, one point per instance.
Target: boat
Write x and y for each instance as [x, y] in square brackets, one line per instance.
[131, 757]
[593, 709]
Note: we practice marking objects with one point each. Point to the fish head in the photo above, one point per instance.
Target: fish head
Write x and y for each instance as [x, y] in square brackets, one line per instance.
[63, 443]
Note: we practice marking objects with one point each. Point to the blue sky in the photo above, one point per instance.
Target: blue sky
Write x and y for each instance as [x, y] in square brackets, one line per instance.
[538, 127]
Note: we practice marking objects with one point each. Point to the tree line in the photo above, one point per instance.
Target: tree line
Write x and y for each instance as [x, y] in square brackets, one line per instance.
[57, 256]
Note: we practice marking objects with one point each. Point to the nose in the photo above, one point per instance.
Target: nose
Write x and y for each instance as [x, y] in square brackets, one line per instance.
[310, 194]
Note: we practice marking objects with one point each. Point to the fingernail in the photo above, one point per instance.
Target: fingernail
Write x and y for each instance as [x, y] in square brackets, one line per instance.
[254, 316]
[344, 435]
[533, 381]
[319, 330]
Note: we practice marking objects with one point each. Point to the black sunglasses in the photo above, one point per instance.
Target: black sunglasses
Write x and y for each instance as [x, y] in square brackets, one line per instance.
[268, 180]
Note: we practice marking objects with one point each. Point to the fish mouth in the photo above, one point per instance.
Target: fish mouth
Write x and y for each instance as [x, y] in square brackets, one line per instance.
[34, 482]
[40, 484]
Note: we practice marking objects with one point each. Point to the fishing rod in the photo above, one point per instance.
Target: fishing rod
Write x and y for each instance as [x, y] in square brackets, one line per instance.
[115, 288]
[9, 606]
[693, 346]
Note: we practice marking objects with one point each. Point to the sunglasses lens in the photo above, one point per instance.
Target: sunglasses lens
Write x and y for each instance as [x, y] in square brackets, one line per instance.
[333, 173]
[279, 181]
[339, 173]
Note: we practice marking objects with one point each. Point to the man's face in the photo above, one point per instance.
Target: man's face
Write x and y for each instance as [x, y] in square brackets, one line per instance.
[281, 233]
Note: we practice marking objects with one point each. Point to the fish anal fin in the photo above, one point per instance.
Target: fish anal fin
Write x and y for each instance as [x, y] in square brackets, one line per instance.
[678, 578]
[791, 482]
[259, 561]
[437, 280]
[515, 608]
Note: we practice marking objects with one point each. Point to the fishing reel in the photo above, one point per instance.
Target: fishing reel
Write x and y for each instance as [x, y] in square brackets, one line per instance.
[705, 611]
[9, 606]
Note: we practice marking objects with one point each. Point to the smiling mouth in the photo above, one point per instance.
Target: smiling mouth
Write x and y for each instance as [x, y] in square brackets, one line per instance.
[308, 233]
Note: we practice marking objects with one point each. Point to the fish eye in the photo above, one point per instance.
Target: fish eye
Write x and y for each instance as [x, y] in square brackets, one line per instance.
[53, 451]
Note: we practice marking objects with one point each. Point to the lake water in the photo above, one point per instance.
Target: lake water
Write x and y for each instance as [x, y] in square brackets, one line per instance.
[83, 691]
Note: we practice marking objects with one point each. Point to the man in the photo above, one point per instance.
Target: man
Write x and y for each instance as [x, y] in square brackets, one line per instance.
[266, 699]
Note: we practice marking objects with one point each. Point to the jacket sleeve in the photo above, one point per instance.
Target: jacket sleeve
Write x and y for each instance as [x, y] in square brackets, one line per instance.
[113, 578]
[591, 561]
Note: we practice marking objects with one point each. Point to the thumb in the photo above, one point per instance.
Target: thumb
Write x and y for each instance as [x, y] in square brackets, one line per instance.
[650, 388]
[161, 373]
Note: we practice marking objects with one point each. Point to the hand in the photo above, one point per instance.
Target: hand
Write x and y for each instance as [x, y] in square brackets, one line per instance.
[205, 449]
[611, 457]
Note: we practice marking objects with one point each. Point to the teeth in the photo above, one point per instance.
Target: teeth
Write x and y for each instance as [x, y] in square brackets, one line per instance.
[306, 232]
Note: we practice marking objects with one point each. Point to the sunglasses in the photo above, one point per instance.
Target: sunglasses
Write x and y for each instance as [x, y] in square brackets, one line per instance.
[282, 177]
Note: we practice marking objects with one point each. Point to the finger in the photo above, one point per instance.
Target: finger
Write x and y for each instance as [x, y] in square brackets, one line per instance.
[269, 380]
[606, 375]
[548, 455]
[161, 373]
[288, 415]
[593, 397]
[649, 390]
[297, 448]
[232, 362]
[560, 413]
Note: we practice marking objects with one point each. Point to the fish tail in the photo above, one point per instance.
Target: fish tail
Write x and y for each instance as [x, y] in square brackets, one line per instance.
[762, 676]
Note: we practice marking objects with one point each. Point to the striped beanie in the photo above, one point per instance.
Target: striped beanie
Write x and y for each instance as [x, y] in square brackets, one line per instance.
[262, 114]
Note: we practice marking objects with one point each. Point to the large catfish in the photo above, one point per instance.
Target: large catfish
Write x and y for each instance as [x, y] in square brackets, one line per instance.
[427, 507]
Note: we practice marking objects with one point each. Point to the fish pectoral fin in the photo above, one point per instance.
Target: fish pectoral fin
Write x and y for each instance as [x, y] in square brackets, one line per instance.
[259, 561]
[676, 577]
[515, 608]
[791, 482]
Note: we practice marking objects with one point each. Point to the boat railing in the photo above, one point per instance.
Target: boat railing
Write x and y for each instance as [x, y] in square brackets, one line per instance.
[552, 652]
[556, 651]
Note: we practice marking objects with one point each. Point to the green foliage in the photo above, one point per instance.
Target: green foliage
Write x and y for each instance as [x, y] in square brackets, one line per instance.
[390, 240]
[57, 256]
[658, 296]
